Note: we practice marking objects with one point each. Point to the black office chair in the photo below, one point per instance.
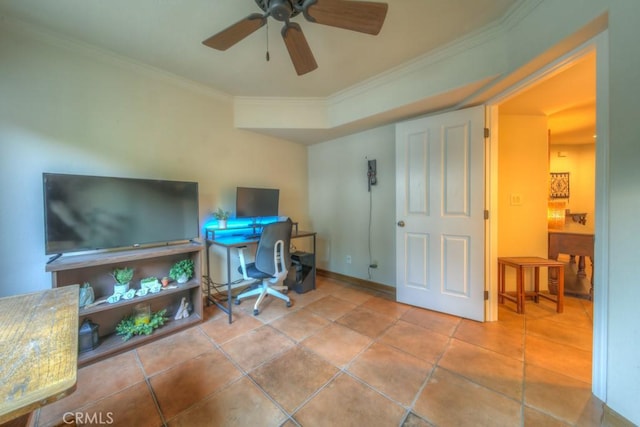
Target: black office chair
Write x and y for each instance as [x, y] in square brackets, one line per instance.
[271, 264]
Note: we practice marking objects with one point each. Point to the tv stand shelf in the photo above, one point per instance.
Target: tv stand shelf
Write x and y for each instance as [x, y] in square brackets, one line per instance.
[156, 261]
[137, 300]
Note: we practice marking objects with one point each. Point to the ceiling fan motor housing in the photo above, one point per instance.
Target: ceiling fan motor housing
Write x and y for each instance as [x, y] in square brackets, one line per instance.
[281, 10]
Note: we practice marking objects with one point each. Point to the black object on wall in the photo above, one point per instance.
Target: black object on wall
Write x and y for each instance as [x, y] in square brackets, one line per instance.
[372, 171]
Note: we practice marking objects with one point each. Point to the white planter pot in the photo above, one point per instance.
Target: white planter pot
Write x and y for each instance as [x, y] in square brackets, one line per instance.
[120, 289]
[183, 278]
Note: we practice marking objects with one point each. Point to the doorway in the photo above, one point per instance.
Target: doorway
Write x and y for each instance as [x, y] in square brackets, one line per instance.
[596, 52]
[546, 171]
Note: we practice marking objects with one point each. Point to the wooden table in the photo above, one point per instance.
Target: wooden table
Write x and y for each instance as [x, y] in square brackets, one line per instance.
[573, 244]
[520, 263]
[38, 349]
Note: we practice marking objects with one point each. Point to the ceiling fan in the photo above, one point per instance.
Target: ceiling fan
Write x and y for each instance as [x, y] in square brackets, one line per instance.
[362, 16]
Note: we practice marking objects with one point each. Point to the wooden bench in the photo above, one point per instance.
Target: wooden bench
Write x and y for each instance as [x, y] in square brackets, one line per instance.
[520, 264]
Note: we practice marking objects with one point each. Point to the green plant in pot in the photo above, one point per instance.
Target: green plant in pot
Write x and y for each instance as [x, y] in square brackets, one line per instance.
[222, 216]
[148, 282]
[130, 326]
[182, 270]
[122, 277]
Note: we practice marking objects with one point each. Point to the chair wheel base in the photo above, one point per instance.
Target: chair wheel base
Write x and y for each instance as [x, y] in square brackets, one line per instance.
[237, 302]
[256, 311]
[288, 303]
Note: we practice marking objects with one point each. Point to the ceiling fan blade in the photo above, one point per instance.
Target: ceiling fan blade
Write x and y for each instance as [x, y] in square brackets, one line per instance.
[236, 32]
[298, 48]
[362, 16]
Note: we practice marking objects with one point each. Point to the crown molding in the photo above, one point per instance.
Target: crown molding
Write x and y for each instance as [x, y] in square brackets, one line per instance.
[486, 34]
[518, 12]
[270, 100]
[489, 33]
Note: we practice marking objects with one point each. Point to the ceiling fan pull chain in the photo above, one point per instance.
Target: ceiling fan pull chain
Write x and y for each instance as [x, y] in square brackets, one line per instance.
[267, 55]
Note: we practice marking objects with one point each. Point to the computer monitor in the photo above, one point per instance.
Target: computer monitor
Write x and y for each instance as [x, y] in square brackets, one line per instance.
[256, 202]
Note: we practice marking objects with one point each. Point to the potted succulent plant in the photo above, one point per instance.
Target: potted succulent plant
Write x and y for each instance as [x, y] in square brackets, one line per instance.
[182, 271]
[148, 282]
[222, 216]
[123, 277]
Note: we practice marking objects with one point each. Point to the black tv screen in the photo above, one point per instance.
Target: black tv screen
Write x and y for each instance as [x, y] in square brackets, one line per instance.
[96, 212]
[256, 202]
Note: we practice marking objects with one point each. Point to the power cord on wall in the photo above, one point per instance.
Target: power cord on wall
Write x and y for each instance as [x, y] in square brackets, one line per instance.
[371, 264]
[372, 180]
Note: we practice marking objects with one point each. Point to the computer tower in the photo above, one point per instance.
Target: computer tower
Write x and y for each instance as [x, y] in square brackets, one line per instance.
[302, 276]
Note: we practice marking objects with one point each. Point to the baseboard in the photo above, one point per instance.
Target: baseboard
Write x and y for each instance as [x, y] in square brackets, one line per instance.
[611, 418]
[388, 290]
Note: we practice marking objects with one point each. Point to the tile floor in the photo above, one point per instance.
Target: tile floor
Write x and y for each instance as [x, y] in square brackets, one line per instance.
[344, 356]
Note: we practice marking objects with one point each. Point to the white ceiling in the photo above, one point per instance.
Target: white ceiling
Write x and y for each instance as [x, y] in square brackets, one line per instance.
[168, 35]
[567, 98]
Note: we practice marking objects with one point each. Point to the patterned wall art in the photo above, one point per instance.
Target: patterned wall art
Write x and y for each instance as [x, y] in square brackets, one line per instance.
[559, 185]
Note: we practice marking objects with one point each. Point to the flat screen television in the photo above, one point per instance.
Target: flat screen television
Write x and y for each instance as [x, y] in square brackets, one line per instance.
[256, 202]
[84, 213]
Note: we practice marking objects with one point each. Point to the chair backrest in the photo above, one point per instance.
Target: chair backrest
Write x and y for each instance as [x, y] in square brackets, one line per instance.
[271, 233]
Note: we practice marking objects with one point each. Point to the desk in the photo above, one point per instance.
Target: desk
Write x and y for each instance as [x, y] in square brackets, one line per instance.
[573, 244]
[231, 242]
[38, 349]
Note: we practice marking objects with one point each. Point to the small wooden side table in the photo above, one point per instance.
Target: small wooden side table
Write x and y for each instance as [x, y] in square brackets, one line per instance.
[38, 349]
[520, 264]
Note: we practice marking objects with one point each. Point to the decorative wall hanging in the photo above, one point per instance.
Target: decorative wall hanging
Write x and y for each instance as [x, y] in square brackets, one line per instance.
[559, 185]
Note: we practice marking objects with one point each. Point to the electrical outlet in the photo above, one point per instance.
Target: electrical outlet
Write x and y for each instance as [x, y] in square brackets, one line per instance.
[348, 259]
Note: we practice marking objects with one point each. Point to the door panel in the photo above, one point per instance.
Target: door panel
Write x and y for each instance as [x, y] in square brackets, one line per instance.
[455, 252]
[418, 173]
[417, 248]
[440, 201]
[456, 166]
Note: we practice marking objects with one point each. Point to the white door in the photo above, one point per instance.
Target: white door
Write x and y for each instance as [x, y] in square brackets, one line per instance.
[440, 213]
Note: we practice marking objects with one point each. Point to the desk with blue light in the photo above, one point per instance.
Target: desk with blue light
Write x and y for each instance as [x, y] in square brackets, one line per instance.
[240, 233]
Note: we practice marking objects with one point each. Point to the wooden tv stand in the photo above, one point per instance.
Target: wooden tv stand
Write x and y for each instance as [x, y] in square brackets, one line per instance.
[96, 269]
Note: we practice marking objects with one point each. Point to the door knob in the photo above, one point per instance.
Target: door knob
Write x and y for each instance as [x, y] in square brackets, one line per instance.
[400, 223]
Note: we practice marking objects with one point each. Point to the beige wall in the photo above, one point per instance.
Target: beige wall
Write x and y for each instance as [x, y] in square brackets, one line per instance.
[523, 172]
[76, 111]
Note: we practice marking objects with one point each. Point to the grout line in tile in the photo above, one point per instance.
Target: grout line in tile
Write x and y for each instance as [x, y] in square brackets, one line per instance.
[148, 382]
[315, 393]
[428, 378]
[524, 374]
[155, 401]
[268, 396]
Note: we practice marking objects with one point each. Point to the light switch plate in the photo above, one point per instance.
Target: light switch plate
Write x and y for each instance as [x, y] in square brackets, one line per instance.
[515, 199]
